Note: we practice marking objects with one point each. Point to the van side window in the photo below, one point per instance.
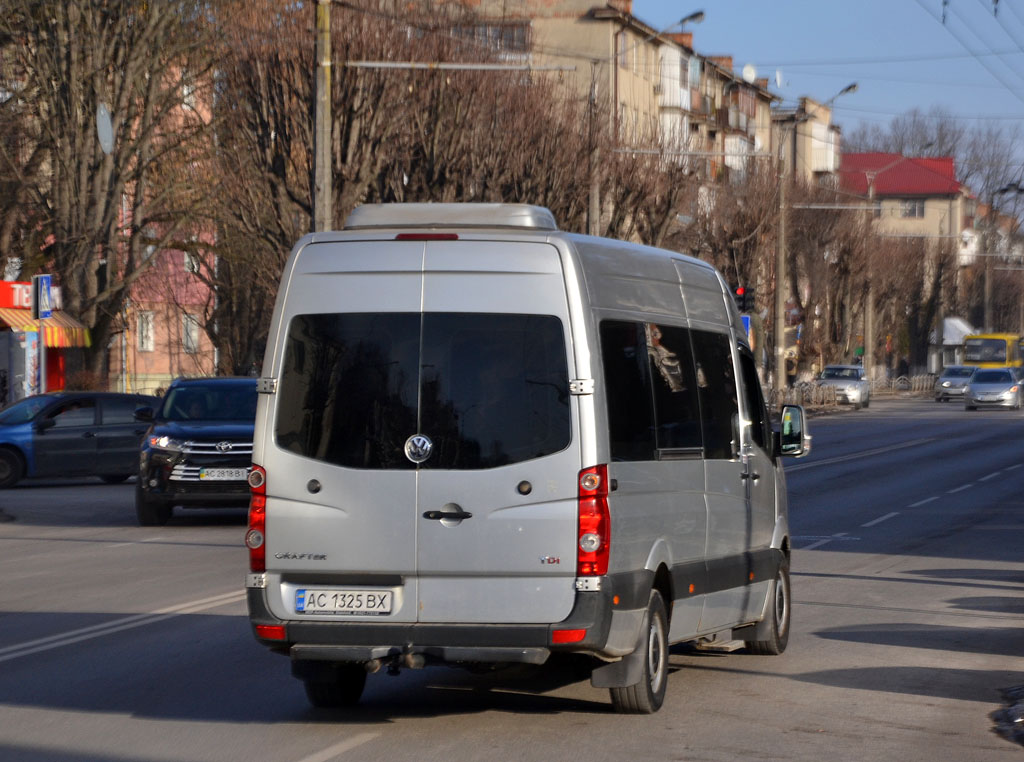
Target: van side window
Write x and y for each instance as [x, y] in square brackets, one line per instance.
[754, 401]
[628, 390]
[676, 409]
[716, 382]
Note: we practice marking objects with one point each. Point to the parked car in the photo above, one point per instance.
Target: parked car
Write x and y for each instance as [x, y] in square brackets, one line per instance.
[198, 450]
[952, 383]
[852, 386]
[993, 387]
[71, 434]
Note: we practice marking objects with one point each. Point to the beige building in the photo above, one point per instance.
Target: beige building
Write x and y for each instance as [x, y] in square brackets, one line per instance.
[807, 142]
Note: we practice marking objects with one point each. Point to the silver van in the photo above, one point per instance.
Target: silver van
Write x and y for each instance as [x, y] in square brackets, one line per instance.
[480, 440]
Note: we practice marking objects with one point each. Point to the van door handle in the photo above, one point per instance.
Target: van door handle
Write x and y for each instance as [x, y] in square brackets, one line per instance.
[453, 515]
[752, 476]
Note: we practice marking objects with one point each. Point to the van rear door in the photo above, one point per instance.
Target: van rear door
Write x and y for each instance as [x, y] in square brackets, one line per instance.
[423, 431]
[495, 401]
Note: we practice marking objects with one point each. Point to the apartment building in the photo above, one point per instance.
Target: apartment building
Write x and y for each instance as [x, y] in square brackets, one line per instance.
[807, 142]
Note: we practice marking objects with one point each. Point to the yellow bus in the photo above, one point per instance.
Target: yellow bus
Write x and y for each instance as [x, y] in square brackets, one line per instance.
[993, 350]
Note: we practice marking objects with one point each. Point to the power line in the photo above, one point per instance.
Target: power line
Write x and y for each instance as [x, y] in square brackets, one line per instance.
[976, 56]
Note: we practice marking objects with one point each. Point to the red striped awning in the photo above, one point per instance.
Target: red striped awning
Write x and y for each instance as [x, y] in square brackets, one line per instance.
[59, 329]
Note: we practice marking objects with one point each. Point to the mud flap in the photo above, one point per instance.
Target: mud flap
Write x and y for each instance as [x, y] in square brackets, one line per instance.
[629, 670]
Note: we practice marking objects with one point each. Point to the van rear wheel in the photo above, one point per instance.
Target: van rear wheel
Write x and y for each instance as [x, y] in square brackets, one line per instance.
[779, 614]
[343, 687]
[647, 695]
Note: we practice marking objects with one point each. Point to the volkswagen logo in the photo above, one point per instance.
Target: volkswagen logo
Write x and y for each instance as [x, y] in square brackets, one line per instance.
[224, 446]
[418, 448]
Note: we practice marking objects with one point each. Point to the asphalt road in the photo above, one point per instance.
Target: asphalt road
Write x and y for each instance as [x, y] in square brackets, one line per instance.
[126, 643]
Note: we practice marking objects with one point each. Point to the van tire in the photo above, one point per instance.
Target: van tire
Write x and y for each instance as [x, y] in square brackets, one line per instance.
[778, 616]
[647, 695]
[345, 688]
[150, 512]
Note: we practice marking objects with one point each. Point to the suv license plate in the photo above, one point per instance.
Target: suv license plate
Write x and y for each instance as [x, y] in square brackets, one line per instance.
[343, 602]
[223, 474]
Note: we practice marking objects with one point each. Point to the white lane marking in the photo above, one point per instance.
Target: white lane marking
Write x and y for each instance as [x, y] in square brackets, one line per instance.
[856, 455]
[340, 748]
[886, 517]
[1011, 468]
[927, 500]
[959, 489]
[990, 476]
[822, 540]
[50, 642]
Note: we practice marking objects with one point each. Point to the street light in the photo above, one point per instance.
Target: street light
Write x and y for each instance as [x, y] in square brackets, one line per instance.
[781, 382]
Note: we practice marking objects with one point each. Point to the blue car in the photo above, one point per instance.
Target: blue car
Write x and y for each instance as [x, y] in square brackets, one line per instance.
[72, 434]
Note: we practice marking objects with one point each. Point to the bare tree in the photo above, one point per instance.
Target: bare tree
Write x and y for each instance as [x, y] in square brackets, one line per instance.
[92, 217]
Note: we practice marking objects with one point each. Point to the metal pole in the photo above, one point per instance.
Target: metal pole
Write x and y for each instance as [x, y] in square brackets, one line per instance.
[869, 307]
[780, 286]
[322, 183]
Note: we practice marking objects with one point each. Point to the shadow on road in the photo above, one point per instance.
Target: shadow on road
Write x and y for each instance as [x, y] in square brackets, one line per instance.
[1008, 641]
[218, 673]
[961, 684]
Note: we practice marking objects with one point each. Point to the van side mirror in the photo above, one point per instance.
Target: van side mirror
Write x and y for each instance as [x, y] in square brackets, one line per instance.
[144, 414]
[793, 439]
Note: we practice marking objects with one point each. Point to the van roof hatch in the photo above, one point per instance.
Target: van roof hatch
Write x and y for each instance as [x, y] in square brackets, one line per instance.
[451, 216]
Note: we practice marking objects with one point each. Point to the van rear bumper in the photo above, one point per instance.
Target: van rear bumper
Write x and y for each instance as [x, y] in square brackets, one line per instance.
[590, 619]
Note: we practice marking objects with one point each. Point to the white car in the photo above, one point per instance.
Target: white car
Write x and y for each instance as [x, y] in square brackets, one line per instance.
[852, 387]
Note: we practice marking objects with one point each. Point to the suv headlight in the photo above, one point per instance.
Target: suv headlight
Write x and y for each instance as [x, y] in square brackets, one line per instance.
[166, 443]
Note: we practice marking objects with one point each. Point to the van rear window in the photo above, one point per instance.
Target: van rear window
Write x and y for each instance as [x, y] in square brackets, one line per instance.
[487, 389]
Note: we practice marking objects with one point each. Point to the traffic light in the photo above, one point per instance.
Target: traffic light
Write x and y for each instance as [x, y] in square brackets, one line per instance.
[744, 298]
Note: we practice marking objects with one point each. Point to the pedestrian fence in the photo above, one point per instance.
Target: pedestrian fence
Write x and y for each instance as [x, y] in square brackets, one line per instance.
[810, 394]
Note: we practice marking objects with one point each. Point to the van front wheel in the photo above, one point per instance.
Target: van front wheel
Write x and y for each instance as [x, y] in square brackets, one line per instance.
[647, 695]
[778, 615]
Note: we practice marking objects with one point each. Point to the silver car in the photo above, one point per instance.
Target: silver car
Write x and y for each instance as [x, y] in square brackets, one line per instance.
[953, 382]
[852, 387]
[993, 387]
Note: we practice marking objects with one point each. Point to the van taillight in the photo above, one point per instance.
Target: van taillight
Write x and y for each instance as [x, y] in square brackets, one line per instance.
[255, 537]
[595, 523]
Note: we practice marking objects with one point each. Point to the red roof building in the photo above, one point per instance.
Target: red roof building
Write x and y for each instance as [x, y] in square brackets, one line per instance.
[898, 175]
[916, 197]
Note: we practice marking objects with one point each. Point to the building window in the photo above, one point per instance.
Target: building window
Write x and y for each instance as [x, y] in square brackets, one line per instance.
[623, 59]
[146, 331]
[912, 208]
[191, 262]
[190, 333]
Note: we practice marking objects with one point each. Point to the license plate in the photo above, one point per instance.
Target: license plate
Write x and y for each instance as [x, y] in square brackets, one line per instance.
[343, 602]
[223, 474]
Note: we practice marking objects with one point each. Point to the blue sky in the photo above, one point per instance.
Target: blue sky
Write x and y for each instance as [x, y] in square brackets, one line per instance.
[898, 51]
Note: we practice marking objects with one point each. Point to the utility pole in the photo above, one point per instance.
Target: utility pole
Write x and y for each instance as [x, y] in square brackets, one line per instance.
[322, 182]
[780, 380]
[869, 306]
[594, 209]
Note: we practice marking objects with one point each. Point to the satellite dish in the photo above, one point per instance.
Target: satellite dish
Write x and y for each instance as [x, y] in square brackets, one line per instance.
[104, 129]
[749, 74]
[778, 77]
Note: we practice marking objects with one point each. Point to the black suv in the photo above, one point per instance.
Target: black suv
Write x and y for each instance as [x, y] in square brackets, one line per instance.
[198, 450]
